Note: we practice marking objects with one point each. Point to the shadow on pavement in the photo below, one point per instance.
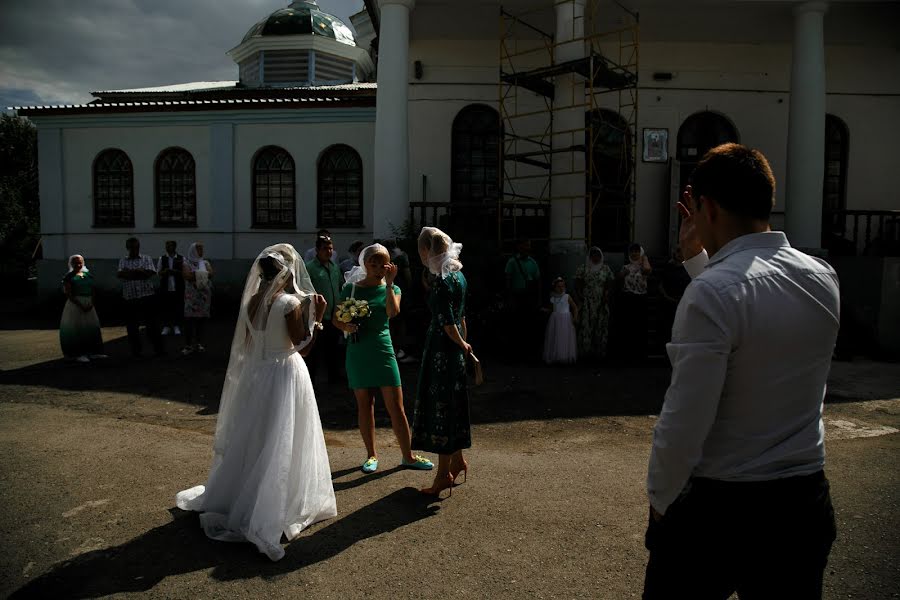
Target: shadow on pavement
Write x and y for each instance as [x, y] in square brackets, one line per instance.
[512, 392]
[181, 547]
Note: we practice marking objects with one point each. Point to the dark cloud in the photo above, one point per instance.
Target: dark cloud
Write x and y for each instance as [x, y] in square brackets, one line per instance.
[59, 51]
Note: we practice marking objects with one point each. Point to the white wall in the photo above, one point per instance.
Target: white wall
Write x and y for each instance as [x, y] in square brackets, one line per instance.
[142, 144]
[223, 222]
[305, 143]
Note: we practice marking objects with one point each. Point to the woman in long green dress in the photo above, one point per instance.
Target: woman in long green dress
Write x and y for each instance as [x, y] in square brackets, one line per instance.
[593, 282]
[441, 419]
[371, 362]
[79, 327]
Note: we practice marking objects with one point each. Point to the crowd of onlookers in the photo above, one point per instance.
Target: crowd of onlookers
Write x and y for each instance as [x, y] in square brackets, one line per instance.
[602, 312]
[606, 312]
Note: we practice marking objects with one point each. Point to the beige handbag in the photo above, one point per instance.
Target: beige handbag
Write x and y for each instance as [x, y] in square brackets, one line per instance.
[479, 374]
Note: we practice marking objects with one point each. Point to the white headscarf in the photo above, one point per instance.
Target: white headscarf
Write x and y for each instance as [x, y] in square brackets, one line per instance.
[195, 261]
[250, 332]
[444, 263]
[83, 269]
[358, 273]
[589, 264]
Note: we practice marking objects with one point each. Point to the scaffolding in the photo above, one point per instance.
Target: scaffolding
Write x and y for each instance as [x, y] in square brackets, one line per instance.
[540, 86]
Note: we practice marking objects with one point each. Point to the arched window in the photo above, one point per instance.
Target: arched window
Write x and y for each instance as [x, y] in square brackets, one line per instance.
[613, 167]
[700, 133]
[834, 186]
[475, 155]
[176, 189]
[837, 146]
[113, 189]
[340, 187]
[274, 189]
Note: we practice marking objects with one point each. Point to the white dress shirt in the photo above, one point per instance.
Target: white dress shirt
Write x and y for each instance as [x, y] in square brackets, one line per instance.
[750, 352]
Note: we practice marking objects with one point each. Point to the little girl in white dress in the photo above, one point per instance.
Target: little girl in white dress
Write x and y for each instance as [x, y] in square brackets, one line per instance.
[560, 340]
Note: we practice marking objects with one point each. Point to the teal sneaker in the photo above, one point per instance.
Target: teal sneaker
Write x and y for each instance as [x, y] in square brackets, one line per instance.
[419, 463]
[371, 465]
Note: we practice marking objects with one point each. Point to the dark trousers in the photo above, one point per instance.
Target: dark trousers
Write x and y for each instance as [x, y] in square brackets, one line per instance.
[143, 310]
[763, 540]
[327, 350]
[630, 320]
[172, 308]
[527, 332]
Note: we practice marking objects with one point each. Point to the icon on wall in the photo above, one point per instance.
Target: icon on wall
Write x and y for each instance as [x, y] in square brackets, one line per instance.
[656, 145]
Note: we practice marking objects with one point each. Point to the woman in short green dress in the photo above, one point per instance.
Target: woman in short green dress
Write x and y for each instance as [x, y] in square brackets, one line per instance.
[441, 419]
[79, 327]
[371, 362]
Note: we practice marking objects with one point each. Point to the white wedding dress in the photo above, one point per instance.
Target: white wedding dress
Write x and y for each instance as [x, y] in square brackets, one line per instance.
[270, 474]
[560, 344]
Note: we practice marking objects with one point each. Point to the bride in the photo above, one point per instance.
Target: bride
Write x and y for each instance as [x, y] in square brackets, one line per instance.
[270, 473]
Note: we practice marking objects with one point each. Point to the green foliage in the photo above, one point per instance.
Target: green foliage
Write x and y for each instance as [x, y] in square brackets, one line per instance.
[19, 200]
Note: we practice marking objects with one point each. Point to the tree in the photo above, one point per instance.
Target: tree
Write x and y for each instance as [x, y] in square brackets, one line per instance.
[19, 201]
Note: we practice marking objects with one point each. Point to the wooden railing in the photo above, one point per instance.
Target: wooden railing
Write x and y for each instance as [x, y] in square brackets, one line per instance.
[862, 232]
[856, 232]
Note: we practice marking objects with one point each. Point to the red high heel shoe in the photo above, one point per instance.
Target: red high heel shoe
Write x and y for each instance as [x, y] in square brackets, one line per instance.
[436, 488]
[464, 471]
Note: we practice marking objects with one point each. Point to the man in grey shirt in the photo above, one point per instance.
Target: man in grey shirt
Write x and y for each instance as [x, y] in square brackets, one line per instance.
[738, 496]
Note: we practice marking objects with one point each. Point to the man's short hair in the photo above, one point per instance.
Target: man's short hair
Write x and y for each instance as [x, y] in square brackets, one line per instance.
[322, 241]
[130, 241]
[738, 178]
[357, 246]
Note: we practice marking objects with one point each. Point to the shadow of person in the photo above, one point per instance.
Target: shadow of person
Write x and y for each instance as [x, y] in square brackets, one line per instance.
[180, 547]
[352, 483]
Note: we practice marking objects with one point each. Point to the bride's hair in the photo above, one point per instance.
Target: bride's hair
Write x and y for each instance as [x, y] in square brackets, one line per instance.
[270, 267]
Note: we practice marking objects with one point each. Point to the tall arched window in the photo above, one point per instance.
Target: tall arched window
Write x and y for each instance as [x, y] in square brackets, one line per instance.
[274, 189]
[340, 187]
[700, 133]
[176, 189]
[475, 155]
[834, 188]
[113, 189]
[613, 167]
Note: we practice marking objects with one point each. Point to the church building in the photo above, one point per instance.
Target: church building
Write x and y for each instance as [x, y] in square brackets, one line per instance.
[574, 123]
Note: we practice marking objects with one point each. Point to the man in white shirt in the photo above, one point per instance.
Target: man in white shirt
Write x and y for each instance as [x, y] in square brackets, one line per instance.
[136, 271]
[738, 496]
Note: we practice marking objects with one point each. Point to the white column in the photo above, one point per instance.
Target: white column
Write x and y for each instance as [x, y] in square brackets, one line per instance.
[567, 213]
[391, 204]
[806, 128]
[221, 185]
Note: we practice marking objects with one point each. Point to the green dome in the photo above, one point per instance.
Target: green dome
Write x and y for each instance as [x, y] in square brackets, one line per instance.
[302, 17]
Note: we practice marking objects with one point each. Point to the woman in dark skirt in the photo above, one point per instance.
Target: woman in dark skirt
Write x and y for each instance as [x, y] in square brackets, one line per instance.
[441, 421]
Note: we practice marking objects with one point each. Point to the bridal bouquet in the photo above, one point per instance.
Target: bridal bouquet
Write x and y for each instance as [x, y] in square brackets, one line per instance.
[352, 310]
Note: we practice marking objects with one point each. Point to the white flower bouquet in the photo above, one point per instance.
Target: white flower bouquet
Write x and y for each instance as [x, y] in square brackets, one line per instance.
[352, 310]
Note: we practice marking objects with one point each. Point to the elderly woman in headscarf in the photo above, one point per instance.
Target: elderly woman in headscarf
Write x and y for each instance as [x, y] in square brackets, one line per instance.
[441, 419]
[593, 281]
[198, 273]
[79, 327]
[371, 361]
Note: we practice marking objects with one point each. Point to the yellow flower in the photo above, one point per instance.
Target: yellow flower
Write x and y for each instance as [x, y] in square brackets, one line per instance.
[344, 318]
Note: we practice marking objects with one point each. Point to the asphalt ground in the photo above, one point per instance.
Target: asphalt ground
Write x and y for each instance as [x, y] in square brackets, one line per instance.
[555, 506]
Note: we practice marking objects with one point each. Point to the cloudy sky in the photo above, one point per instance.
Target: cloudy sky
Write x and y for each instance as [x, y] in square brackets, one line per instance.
[56, 51]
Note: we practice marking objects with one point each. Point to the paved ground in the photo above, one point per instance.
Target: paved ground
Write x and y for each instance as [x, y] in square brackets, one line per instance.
[555, 507]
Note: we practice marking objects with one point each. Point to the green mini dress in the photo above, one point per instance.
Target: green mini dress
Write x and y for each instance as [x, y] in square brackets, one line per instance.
[371, 362]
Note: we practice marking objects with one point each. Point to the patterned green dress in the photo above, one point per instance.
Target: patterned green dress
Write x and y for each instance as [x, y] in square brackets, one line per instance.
[593, 314]
[371, 362]
[441, 419]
